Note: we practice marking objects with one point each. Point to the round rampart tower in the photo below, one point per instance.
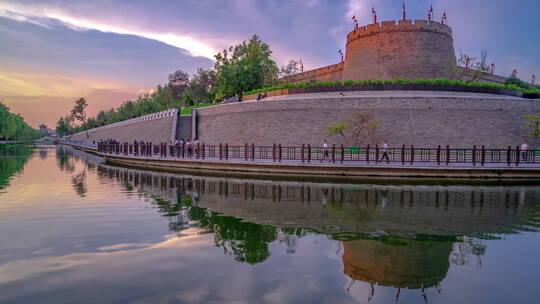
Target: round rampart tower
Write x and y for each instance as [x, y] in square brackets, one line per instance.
[403, 49]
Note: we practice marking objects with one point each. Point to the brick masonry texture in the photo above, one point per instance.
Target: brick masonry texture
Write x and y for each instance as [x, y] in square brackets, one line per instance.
[158, 127]
[396, 49]
[423, 120]
[183, 127]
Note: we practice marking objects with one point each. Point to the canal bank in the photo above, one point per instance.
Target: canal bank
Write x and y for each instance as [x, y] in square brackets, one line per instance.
[351, 170]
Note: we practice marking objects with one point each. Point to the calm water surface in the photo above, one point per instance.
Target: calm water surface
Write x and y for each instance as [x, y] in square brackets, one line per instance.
[76, 230]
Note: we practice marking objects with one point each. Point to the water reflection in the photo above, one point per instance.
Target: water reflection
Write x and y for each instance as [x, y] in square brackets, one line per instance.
[12, 160]
[398, 236]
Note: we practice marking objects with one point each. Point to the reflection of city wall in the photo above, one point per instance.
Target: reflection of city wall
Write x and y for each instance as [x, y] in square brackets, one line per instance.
[397, 210]
[412, 264]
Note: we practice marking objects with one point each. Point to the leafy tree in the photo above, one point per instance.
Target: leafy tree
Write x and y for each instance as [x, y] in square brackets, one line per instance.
[360, 127]
[178, 82]
[63, 126]
[514, 79]
[532, 122]
[472, 68]
[13, 126]
[292, 68]
[244, 67]
[79, 110]
[200, 89]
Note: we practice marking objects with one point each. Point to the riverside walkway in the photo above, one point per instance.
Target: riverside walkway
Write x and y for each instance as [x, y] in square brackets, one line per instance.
[334, 160]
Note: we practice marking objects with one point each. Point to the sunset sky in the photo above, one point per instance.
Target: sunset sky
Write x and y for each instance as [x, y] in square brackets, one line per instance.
[52, 52]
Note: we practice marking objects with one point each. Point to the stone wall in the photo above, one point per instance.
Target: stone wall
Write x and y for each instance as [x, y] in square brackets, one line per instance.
[410, 49]
[404, 49]
[183, 127]
[423, 119]
[156, 127]
[327, 73]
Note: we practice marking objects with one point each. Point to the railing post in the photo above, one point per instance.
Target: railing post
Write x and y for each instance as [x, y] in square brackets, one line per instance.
[508, 152]
[198, 154]
[273, 152]
[412, 154]
[342, 153]
[333, 153]
[302, 153]
[517, 155]
[165, 149]
[438, 155]
[226, 151]
[447, 155]
[483, 156]
[220, 151]
[367, 154]
[245, 152]
[150, 149]
[376, 154]
[252, 151]
[403, 154]
[203, 150]
[279, 149]
[309, 153]
[474, 155]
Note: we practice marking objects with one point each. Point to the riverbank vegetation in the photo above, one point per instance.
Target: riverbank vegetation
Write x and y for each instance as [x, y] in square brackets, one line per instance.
[13, 126]
[515, 84]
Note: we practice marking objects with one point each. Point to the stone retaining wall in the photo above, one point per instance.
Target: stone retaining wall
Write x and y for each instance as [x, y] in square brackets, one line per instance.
[156, 127]
[423, 120]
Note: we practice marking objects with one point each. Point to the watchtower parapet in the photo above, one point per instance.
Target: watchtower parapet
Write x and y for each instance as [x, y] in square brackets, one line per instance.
[399, 26]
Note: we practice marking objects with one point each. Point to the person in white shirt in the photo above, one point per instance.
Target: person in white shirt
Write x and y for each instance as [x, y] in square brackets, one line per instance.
[385, 152]
[326, 152]
[524, 147]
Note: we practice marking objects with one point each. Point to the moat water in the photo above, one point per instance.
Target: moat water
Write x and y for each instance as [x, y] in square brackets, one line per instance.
[76, 230]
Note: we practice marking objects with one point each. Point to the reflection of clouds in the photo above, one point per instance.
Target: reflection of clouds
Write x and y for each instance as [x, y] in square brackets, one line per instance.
[100, 261]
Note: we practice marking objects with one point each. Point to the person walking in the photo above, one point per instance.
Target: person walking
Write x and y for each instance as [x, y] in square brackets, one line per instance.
[326, 152]
[385, 152]
[524, 147]
[189, 147]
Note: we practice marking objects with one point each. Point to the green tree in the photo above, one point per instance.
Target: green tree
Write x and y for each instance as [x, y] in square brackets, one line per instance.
[292, 68]
[244, 67]
[63, 126]
[356, 130]
[532, 123]
[514, 80]
[13, 126]
[201, 87]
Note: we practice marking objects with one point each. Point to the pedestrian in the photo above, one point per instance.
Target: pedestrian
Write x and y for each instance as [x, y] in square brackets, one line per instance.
[189, 147]
[385, 152]
[326, 151]
[524, 148]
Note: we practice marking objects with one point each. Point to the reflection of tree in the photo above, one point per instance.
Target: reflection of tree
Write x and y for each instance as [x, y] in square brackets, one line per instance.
[469, 247]
[64, 161]
[248, 242]
[79, 184]
[12, 160]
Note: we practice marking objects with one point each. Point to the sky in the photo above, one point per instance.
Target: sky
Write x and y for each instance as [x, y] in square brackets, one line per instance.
[108, 51]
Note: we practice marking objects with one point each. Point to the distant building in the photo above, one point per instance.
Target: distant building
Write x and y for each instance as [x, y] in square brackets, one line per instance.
[46, 131]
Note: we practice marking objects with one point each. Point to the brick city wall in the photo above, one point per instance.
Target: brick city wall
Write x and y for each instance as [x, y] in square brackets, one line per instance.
[156, 127]
[493, 121]
[410, 49]
[183, 127]
[327, 73]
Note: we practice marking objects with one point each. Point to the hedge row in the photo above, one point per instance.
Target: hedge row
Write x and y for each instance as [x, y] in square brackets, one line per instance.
[402, 84]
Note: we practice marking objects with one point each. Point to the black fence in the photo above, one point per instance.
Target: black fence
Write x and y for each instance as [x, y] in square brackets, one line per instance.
[332, 154]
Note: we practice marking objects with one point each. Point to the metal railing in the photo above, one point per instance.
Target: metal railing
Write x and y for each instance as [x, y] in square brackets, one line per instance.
[404, 155]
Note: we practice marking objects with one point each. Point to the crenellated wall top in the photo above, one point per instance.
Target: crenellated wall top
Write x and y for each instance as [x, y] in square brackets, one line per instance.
[144, 118]
[399, 26]
[334, 68]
